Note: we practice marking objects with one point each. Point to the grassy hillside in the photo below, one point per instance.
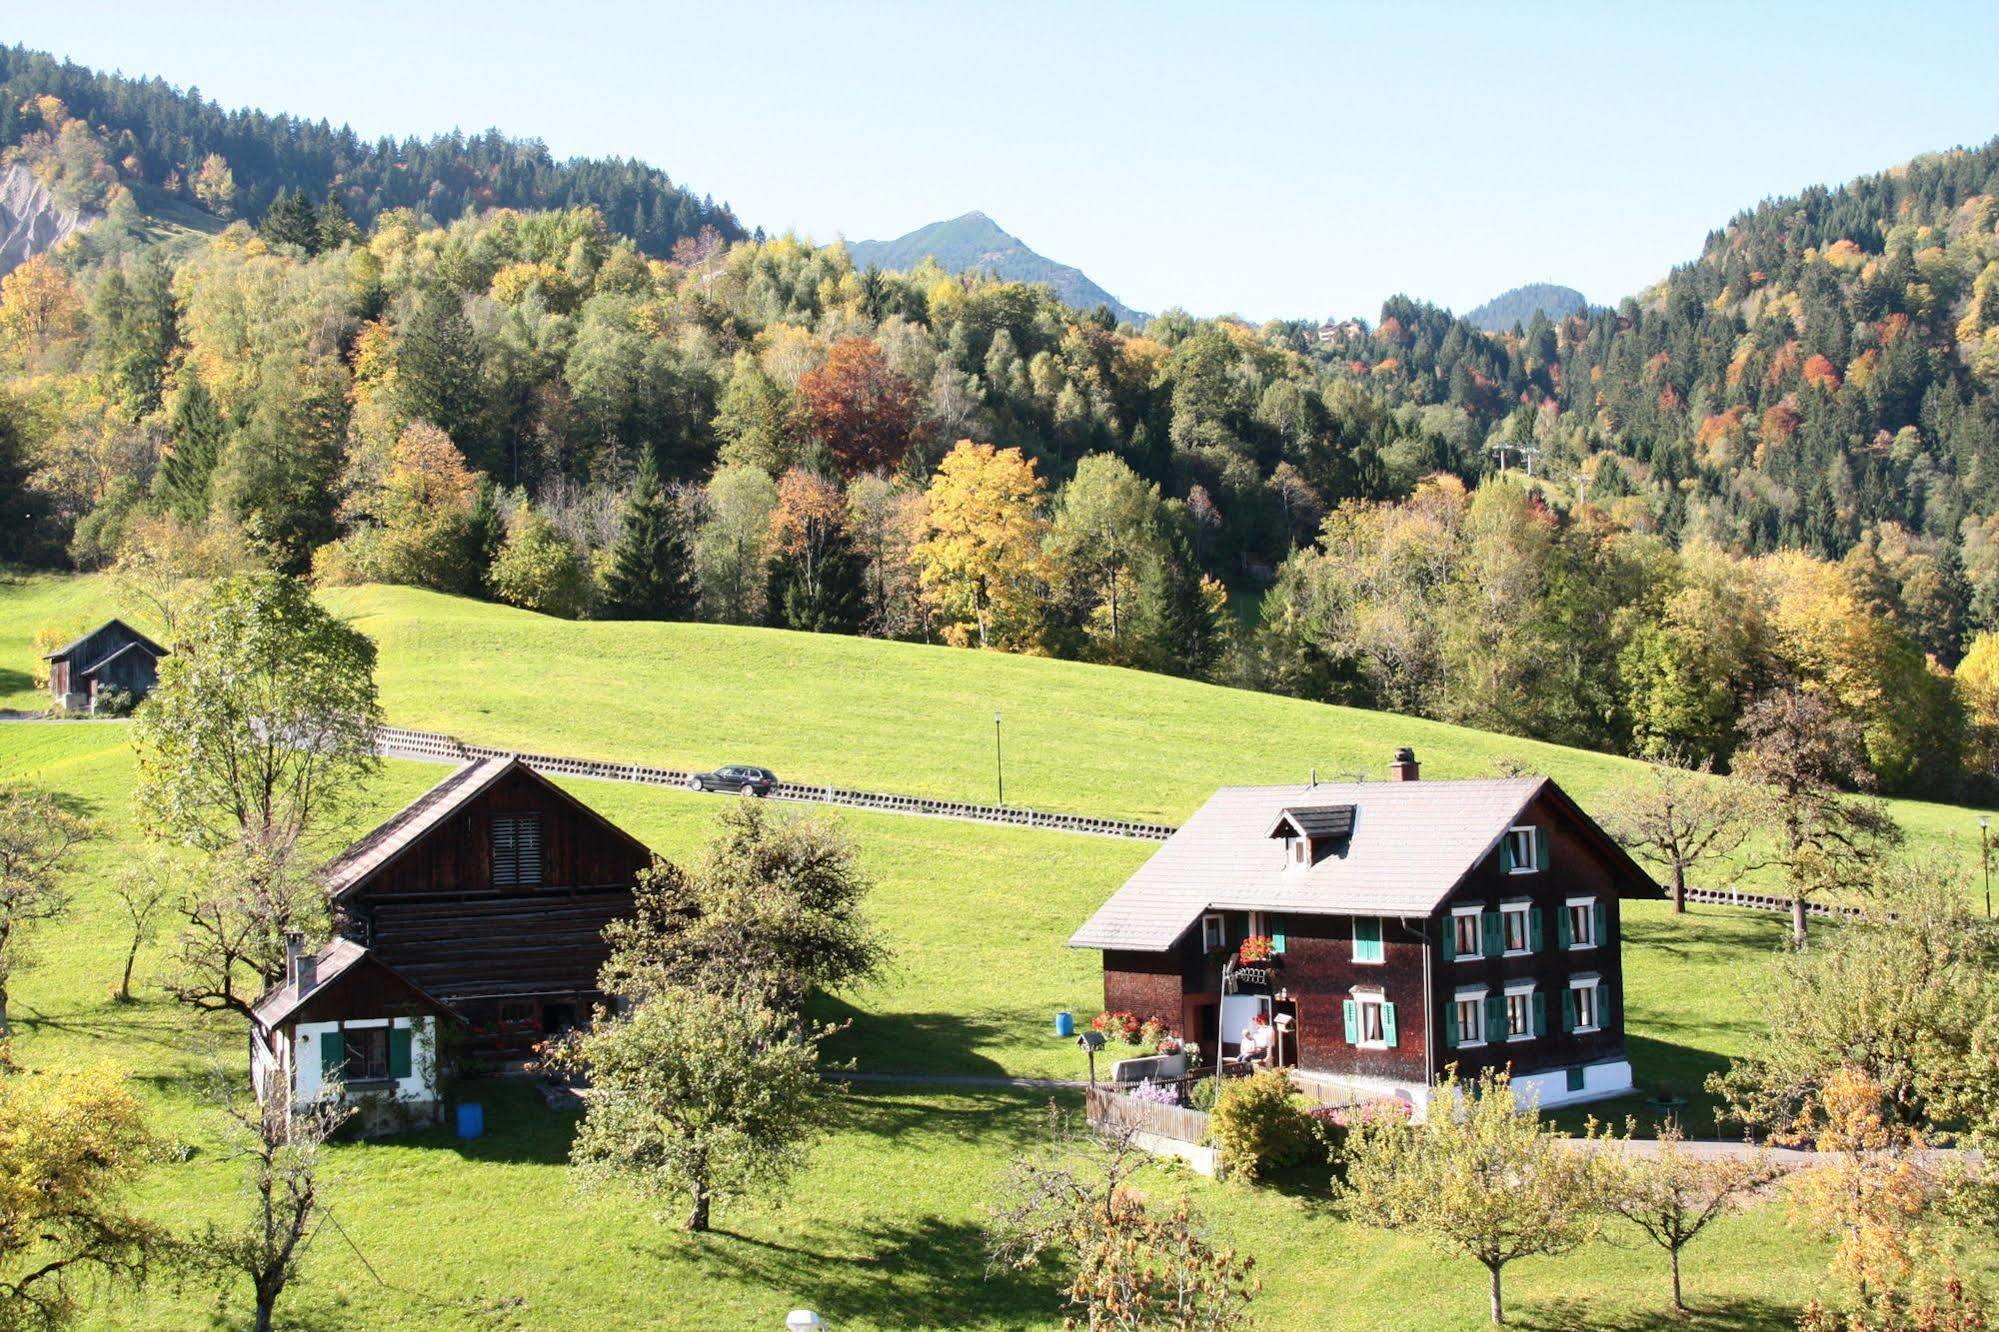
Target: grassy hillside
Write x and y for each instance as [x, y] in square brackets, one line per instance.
[882, 1230]
[901, 717]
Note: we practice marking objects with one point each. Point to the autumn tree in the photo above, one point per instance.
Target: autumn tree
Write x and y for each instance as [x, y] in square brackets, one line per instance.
[538, 568]
[40, 310]
[696, 1096]
[859, 407]
[40, 842]
[1797, 751]
[1671, 1194]
[1481, 1179]
[884, 521]
[815, 571]
[71, 1145]
[760, 422]
[980, 560]
[1678, 819]
[1126, 1264]
[215, 185]
[410, 515]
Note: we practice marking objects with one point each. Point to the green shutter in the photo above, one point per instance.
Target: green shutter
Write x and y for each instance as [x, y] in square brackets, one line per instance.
[1540, 848]
[1367, 939]
[1605, 1015]
[1495, 1018]
[1568, 1011]
[1564, 937]
[1451, 1025]
[1495, 938]
[1388, 1024]
[1277, 924]
[1534, 929]
[1506, 853]
[332, 1057]
[1450, 938]
[1351, 1011]
[399, 1052]
[1597, 910]
[1540, 1014]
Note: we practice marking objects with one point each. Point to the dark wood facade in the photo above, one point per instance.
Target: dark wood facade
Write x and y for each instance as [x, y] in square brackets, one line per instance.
[512, 941]
[112, 656]
[1417, 972]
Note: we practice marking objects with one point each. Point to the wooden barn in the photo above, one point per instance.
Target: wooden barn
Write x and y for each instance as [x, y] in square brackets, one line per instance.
[491, 892]
[112, 656]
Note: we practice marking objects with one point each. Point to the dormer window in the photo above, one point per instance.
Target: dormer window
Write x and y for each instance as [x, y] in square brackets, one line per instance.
[1313, 832]
[1301, 850]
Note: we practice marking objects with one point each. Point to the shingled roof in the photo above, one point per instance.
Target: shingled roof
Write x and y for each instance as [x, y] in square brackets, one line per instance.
[1411, 843]
[412, 821]
[282, 1000]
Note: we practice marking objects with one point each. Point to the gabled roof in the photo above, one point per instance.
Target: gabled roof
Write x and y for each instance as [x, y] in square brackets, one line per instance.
[409, 825]
[137, 637]
[146, 648]
[1411, 844]
[1317, 822]
[277, 1004]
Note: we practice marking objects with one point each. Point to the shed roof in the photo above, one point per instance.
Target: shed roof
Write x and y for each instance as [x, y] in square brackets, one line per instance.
[137, 637]
[129, 647]
[1412, 842]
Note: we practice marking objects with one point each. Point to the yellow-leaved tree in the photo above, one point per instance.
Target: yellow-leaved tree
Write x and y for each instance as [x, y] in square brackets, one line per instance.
[980, 559]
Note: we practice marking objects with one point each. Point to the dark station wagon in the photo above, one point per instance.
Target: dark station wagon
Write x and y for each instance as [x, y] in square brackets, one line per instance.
[741, 778]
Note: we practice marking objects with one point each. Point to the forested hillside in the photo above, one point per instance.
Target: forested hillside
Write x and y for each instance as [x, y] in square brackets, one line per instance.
[1614, 530]
[167, 144]
[1521, 304]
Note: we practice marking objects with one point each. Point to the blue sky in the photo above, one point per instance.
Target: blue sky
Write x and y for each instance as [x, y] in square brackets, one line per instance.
[1263, 159]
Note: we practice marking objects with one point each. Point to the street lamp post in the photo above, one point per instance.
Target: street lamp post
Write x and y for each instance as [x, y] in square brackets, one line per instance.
[1985, 858]
[999, 759]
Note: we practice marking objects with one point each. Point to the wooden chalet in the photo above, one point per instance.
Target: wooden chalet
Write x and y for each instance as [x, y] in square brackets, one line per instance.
[112, 656]
[1386, 930]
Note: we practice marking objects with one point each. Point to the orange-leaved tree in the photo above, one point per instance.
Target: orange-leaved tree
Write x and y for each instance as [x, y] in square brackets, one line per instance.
[980, 559]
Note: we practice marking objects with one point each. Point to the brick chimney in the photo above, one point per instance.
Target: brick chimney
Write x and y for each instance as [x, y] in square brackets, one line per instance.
[1405, 768]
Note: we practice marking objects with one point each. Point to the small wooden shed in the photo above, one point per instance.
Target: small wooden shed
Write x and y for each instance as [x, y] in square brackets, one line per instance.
[112, 656]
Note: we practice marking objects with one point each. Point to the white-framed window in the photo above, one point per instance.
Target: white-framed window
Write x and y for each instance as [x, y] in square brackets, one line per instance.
[1582, 922]
[1516, 927]
[1467, 933]
[1588, 1011]
[1301, 850]
[1374, 1022]
[1214, 931]
[1367, 946]
[1520, 1012]
[1520, 843]
[1469, 1007]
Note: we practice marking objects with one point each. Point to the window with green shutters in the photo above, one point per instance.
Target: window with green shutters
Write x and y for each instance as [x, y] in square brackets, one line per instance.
[1579, 923]
[1464, 1021]
[1370, 1022]
[332, 1057]
[1367, 939]
[1463, 935]
[399, 1052]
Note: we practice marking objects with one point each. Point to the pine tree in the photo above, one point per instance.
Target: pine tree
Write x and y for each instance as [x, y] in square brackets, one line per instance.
[648, 578]
[828, 600]
[292, 220]
[198, 432]
[438, 375]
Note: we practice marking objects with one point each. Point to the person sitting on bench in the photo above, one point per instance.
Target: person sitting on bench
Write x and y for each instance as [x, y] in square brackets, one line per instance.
[1259, 1043]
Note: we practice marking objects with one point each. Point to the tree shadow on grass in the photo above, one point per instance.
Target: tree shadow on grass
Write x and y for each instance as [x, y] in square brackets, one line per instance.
[997, 1117]
[131, 1023]
[1657, 1068]
[923, 1272]
[13, 681]
[925, 1043]
[1749, 1314]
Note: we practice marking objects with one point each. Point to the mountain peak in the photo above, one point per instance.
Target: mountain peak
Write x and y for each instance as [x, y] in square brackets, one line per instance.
[973, 242]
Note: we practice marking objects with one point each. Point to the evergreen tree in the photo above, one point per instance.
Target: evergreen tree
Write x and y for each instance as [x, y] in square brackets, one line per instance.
[438, 374]
[198, 433]
[291, 220]
[827, 601]
[648, 578]
[331, 227]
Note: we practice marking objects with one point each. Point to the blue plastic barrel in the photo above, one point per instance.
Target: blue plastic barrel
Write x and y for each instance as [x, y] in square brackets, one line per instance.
[1065, 1024]
[471, 1119]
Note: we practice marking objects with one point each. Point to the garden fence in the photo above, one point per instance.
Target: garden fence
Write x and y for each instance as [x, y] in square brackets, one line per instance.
[1106, 1108]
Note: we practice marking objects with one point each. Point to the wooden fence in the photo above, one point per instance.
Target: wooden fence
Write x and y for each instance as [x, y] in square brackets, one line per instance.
[1113, 1109]
[398, 742]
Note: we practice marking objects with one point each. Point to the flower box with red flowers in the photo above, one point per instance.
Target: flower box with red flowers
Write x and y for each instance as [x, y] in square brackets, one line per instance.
[1256, 949]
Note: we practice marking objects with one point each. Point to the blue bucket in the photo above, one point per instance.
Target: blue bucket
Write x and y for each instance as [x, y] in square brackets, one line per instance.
[1065, 1024]
[471, 1119]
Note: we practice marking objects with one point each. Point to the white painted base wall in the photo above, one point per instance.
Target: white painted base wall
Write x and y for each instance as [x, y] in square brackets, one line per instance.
[1547, 1091]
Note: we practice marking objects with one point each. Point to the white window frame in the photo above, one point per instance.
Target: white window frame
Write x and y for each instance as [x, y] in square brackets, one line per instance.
[1531, 864]
[1592, 984]
[1588, 904]
[1474, 996]
[1214, 931]
[1476, 914]
[1362, 999]
[1521, 990]
[1298, 853]
[1523, 908]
